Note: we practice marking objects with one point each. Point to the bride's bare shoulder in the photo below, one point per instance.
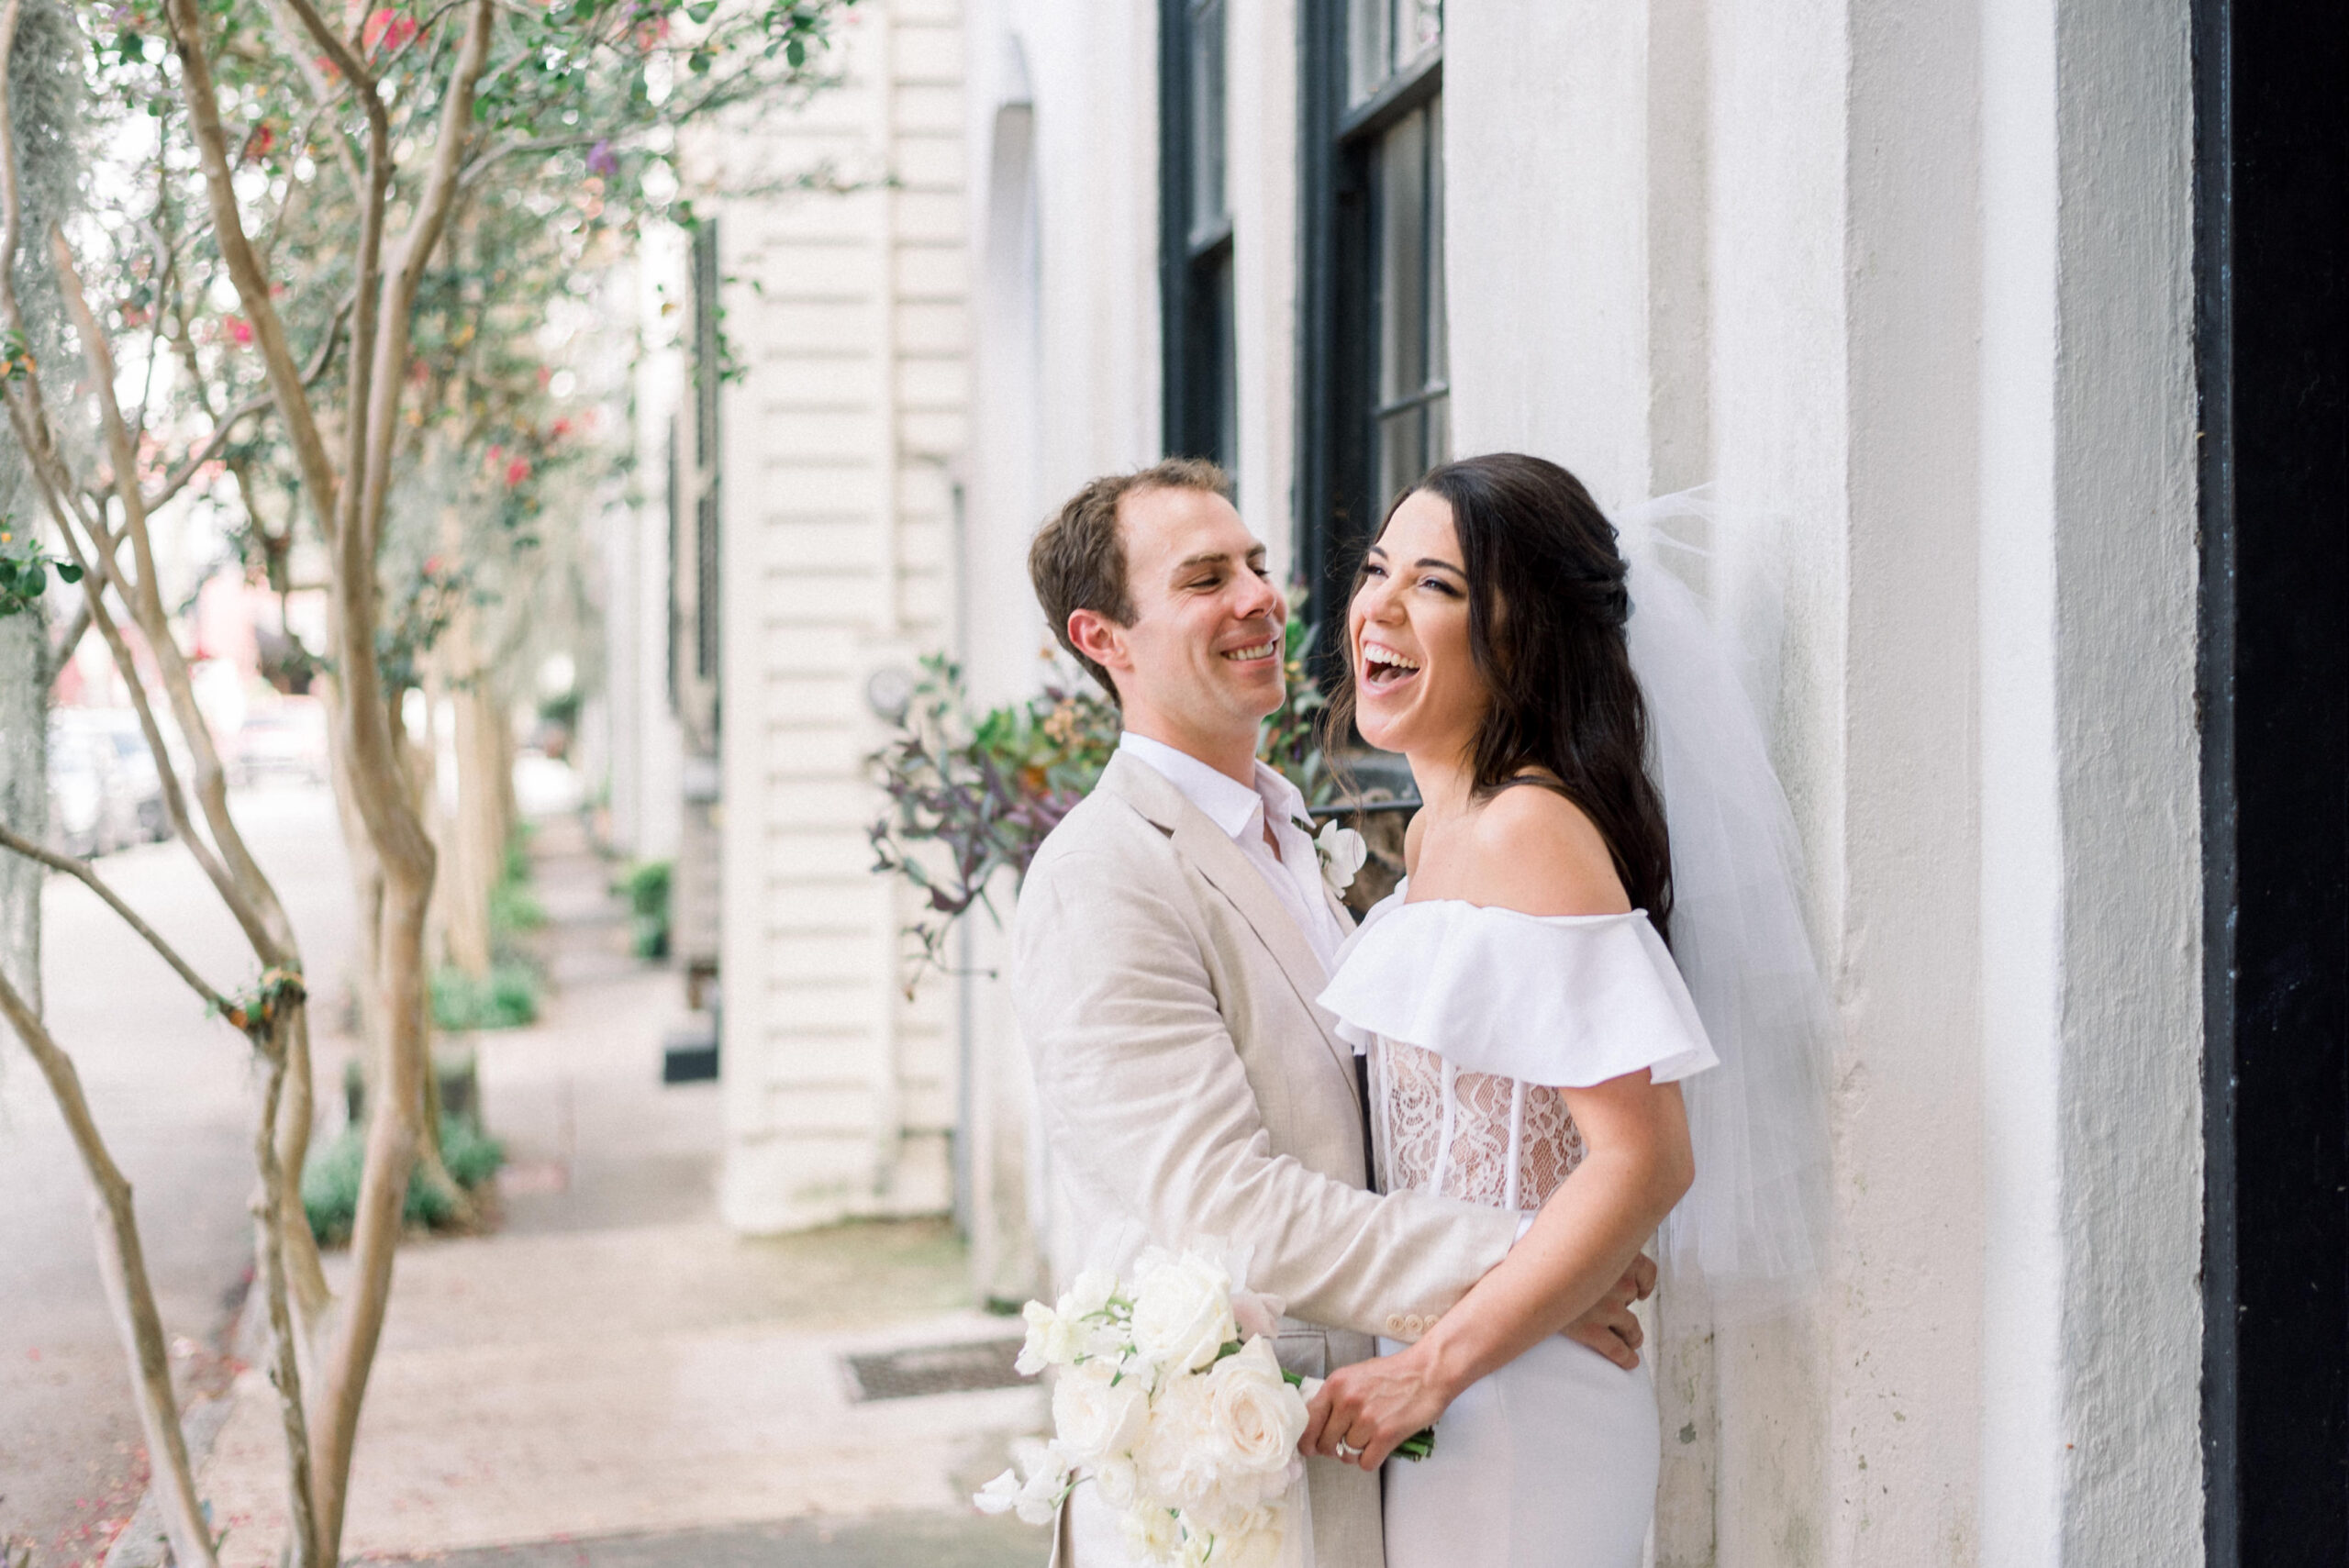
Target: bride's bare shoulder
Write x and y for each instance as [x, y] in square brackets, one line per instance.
[1530, 849]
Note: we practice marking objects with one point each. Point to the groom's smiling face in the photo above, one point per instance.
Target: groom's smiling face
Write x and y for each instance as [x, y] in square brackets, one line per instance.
[1200, 665]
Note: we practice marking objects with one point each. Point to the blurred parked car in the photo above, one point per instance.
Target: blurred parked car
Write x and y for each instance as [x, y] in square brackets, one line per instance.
[287, 741]
[77, 796]
[134, 785]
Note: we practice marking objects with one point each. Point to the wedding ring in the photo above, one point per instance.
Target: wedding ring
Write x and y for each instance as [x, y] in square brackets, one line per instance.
[1347, 1449]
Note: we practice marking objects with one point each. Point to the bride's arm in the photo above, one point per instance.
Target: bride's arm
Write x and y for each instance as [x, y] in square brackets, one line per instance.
[1579, 1245]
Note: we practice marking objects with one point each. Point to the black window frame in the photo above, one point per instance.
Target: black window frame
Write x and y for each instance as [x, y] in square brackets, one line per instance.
[2272, 706]
[1338, 501]
[1196, 277]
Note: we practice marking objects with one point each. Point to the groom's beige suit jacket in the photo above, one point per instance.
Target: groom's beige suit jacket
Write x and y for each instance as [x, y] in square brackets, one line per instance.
[1187, 1082]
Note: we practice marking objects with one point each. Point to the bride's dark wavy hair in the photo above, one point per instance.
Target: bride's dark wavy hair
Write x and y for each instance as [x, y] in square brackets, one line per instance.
[1547, 613]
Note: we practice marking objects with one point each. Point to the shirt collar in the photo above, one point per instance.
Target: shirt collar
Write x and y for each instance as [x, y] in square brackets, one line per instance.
[1229, 804]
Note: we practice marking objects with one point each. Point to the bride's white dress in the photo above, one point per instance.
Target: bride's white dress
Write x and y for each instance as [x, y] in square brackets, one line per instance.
[1473, 1019]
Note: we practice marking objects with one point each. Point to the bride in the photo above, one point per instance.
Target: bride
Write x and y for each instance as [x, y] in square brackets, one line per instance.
[1527, 1027]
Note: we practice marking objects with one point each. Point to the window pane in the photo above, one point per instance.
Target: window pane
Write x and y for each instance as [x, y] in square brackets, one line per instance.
[1207, 119]
[1402, 240]
[1420, 29]
[1227, 389]
[1383, 35]
[1370, 46]
[1402, 453]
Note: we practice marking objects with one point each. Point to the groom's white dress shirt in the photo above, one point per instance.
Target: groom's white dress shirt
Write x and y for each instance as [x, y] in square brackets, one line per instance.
[1295, 875]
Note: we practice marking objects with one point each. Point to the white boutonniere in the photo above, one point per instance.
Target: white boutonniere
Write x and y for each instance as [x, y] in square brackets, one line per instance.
[1342, 850]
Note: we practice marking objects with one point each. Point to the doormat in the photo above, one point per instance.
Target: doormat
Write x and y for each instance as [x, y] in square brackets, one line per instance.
[921, 1370]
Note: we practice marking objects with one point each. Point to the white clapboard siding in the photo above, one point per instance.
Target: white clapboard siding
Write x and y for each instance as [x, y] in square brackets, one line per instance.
[849, 311]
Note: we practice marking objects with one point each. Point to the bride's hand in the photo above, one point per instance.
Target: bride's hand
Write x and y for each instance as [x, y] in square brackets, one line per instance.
[1372, 1405]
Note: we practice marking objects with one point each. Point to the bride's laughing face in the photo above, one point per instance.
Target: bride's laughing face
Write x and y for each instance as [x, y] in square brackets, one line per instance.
[1417, 686]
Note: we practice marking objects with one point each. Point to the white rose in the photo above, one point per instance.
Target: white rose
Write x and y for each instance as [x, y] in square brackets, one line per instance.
[1097, 1413]
[1150, 1533]
[1256, 1419]
[1182, 1310]
[1053, 1340]
[1117, 1479]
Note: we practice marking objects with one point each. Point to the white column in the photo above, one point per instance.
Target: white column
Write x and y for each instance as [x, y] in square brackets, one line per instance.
[2023, 834]
[2128, 1112]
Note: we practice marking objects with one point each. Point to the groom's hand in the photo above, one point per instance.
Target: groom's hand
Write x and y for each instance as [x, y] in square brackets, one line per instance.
[1609, 1328]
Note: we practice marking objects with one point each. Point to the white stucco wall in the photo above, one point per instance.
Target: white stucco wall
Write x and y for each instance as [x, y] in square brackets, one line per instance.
[2128, 1110]
[1945, 338]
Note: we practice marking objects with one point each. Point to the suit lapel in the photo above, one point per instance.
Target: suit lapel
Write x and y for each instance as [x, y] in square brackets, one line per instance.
[1229, 872]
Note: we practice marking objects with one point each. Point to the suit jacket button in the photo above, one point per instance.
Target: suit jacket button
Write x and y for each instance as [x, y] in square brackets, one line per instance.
[1394, 1324]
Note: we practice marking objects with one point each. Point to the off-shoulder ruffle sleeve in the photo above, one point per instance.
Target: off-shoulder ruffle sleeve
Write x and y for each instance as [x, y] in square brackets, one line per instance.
[1566, 1001]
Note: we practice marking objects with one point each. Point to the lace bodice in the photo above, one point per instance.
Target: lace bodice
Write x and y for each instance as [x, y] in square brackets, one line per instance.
[1474, 1019]
[1478, 1136]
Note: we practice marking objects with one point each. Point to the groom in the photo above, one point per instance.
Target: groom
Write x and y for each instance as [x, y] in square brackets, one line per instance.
[1173, 933]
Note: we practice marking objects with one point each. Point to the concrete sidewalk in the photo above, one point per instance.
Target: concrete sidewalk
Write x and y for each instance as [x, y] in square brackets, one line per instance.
[611, 1379]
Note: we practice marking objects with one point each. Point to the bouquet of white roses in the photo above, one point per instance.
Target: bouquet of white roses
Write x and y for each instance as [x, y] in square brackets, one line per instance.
[1169, 1400]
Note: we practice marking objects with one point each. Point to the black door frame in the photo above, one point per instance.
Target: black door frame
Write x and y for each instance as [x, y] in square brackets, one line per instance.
[2273, 692]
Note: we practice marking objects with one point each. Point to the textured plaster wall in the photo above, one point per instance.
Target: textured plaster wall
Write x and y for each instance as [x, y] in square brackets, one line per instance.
[2023, 830]
[1935, 355]
[1780, 394]
[1545, 236]
[2129, 1108]
[1905, 1338]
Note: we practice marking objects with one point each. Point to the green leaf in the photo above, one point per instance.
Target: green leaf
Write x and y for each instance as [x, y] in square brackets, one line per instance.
[68, 573]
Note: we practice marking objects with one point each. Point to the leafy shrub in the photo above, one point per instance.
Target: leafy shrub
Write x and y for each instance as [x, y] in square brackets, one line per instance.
[471, 1155]
[507, 999]
[330, 1180]
[514, 907]
[646, 886]
[971, 794]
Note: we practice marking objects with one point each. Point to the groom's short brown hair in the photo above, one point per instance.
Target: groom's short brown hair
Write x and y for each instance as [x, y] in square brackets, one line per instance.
[1078, 558]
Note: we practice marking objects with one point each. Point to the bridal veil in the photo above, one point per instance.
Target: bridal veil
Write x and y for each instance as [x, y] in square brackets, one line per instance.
[1754, 1226]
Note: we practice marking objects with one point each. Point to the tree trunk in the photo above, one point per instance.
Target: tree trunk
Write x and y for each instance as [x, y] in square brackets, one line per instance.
[122, 1267]
[269, 1246]
[24, 794]
[394, 1134]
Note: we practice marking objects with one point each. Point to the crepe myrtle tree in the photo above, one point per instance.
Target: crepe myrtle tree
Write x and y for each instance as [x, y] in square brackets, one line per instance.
[305, 175]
